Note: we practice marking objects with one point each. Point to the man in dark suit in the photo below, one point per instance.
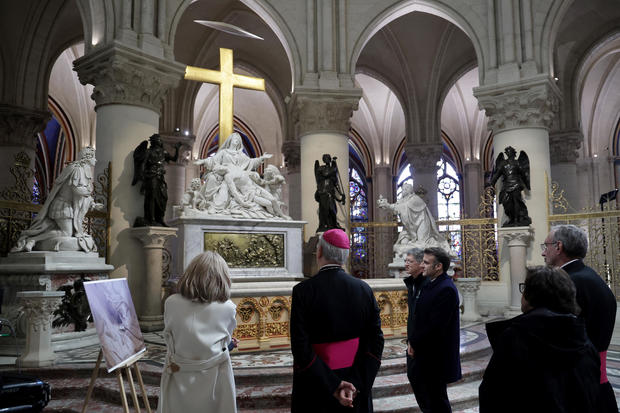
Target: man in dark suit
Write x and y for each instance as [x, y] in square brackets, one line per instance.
[565, 247]
[336, 336]
[414, 281]
[435, 338]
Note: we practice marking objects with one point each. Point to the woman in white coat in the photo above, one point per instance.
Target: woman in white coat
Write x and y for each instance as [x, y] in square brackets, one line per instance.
[199, 322]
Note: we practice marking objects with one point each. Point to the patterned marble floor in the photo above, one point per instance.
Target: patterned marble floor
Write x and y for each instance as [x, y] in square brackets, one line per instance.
[472, 337]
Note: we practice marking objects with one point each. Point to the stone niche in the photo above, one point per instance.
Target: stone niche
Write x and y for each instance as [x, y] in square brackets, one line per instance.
[256, 250]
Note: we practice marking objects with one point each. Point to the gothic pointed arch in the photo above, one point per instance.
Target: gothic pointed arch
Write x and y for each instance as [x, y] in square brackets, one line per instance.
[56, 146]
[461, 16]
[209, 144]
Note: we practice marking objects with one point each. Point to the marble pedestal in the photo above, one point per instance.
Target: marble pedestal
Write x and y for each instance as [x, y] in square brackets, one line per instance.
[517, 240]
[228, 232]
[397, 269]
[469, 290]
[150, 315]
[38, 307]
[46, 271]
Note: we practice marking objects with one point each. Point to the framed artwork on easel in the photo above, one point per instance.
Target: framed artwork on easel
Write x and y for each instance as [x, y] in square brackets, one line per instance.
[116, 322]
[120, 337]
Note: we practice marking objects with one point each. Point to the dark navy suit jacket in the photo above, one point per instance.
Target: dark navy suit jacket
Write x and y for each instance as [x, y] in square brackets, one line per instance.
[435, 337]
[597, 302]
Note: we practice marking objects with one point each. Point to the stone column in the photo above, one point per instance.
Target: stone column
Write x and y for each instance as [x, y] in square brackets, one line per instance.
[129, 89]
[563, 148]
[472, 182]
[38, 307]
[423, 159]
[520, 113]
[175, 171]
[18, 130]
[322, 122]
[469, 289]
[291, 151]
[517, 239]
[153, 239]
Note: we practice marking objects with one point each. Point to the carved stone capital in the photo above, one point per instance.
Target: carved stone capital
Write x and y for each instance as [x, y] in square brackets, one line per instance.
[424, 157]
[468, 286]
[314, 112]
[38, 307]
[517, 236]
[19, 126]
[185, 150]
[563, 146]
[153, 237]
[292, 155]
[530, 103]
[123, 75]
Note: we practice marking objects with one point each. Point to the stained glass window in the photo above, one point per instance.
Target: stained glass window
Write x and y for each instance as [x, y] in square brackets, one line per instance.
[358, 196]
[449, 203]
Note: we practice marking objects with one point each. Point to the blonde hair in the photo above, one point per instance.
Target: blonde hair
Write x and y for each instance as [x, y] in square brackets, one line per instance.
[206, 279]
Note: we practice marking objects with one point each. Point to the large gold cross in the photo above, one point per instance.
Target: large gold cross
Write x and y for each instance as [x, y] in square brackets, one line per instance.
[227, 80]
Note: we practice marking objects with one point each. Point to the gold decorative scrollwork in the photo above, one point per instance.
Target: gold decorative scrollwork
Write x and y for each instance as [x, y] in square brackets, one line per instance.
[278, 329]
[23, 175]
[245, 313]
[558, 200]
[276, 312]
[487, 202]
[246, 331]
[263, 301]
[403, 302]
[243, 250]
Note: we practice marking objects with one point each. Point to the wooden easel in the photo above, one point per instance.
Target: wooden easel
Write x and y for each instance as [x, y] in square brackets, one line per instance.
[119, 375]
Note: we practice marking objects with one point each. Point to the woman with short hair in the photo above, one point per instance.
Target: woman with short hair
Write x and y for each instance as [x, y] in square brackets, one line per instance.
[199, 322]
[542, 359]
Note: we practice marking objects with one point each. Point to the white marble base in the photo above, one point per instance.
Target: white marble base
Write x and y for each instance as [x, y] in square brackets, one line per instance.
[512, 311]
[190, 242]
[44, 271]
[151, 323]
[53, 262]
[285, 288]
[396, 269]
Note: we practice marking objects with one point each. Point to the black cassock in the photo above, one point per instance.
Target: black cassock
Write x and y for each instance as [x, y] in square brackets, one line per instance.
[334, 322]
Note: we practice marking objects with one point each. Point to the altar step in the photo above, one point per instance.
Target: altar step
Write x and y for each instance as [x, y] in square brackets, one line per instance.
[265, 390]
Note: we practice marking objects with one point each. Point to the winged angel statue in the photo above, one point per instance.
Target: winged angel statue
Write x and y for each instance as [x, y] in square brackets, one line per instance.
[149, 167]
[516, 174]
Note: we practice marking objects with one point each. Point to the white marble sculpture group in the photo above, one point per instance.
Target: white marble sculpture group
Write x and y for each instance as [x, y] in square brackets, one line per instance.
[420, 229]
[232, 187]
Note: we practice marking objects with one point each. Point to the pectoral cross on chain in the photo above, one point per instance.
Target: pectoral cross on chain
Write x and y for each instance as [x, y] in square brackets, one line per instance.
[227, 80]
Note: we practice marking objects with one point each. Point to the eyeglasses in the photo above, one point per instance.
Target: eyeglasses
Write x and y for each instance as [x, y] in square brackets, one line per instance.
[408, 261]
[521, 287]
[544, 245]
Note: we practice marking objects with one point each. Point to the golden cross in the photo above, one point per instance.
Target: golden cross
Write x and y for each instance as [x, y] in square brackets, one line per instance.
[227, 80]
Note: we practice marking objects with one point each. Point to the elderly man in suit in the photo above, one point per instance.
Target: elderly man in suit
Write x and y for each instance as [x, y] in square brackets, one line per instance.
[336, 336]
[565, 247]
[435, 338]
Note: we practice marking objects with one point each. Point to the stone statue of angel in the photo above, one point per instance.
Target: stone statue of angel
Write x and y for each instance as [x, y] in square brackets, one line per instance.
[516, 178]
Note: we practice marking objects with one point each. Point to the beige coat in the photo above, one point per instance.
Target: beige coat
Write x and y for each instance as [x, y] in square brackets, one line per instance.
[197, 375]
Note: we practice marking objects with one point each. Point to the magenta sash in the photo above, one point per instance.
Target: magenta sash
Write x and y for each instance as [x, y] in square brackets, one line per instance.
[339, 354]
[603, 355]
